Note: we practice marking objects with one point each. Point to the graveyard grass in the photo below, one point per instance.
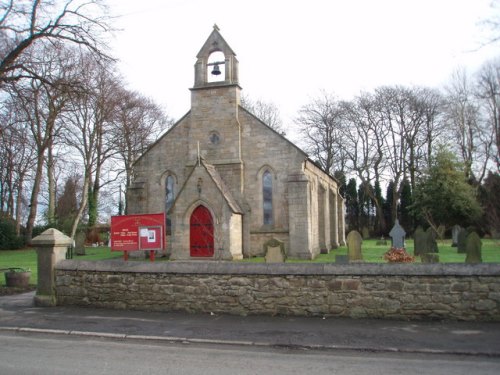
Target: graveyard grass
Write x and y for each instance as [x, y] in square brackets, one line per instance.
[372, 253]
[27, 259]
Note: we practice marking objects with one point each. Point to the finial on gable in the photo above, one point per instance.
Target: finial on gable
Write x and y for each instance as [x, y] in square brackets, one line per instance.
[216, 63]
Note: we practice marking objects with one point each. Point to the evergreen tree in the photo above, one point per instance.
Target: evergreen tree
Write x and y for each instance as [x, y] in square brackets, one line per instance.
[405, 214]
[443, 196]
[351, 204]
[491, 204]
[67, 206]
[388, 204]
[380, 198]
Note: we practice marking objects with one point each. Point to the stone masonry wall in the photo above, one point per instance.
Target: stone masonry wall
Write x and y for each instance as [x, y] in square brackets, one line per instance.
[392, 291]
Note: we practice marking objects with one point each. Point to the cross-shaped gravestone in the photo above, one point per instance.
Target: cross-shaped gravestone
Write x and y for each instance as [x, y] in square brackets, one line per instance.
[397, 234]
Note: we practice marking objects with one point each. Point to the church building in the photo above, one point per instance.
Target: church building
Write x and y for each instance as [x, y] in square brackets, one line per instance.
[228, 183]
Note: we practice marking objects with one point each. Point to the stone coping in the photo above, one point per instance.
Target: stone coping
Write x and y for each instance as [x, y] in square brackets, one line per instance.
[318, 269]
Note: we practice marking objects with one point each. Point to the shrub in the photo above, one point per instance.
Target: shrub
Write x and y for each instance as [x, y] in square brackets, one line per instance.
[9, 240]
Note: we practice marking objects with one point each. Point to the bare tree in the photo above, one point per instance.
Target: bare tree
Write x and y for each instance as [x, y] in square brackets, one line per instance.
[17, 156]
[321, 122]
[472, 142]
[267, 112]
[25, 24]
[40, 104]
[88, 119]
[137, 123]
[363, 141]
[488, 93]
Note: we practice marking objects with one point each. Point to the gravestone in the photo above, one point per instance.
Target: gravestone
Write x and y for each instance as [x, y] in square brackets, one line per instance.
[381, 242]
[275, 251]
[429, 258]
[431, 243]
[365, 233]
[80, 238]
[419, 240]
[473, 248]
[354, 241]
[454, 235]
[441, 231]
[397, 234]
[342, 259]
[462, 236]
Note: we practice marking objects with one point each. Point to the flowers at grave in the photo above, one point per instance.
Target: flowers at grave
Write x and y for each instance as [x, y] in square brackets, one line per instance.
[398, 255]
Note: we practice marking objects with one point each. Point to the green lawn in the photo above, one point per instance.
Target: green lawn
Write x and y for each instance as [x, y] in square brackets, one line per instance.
[372, 253]
[26, 258]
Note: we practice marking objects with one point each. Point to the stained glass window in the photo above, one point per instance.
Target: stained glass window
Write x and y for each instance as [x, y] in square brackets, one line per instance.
[267, 195]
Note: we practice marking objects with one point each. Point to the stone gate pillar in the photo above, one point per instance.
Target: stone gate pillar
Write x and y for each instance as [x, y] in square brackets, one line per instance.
[51, 248]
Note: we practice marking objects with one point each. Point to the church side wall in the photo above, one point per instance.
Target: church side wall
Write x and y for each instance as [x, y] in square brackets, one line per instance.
[389, 291]
[263, 149]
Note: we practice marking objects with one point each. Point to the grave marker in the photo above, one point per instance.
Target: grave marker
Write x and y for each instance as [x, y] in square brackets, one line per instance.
[397, 234]
[462, 236]
[275, 251]
[419, 240]
[454, 235]
[473, 248]
[354, 241]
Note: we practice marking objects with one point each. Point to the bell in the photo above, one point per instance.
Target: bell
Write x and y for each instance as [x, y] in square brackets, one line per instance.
[216, 70]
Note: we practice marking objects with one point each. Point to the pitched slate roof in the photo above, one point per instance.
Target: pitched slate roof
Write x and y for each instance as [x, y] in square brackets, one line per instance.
[221, 185]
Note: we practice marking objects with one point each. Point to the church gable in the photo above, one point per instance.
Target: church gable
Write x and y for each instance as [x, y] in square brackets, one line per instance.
[221, 171]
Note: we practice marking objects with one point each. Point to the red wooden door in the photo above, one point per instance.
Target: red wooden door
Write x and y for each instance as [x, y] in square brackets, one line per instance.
[201, 233]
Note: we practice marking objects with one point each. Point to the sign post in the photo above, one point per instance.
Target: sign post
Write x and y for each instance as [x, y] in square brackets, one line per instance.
[138, 232]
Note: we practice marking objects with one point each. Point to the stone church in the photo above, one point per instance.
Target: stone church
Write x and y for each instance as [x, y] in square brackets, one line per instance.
[228, 182]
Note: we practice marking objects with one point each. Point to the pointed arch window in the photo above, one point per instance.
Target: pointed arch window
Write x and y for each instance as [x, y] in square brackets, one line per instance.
[169, 200]
[267, 197]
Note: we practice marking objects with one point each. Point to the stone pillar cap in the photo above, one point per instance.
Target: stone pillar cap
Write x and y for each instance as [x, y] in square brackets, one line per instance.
[52, 237]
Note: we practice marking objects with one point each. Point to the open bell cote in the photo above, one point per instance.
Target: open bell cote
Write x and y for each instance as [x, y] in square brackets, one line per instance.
[225, 68]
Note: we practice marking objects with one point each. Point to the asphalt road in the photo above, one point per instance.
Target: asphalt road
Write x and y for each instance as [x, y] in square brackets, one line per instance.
[35, 353]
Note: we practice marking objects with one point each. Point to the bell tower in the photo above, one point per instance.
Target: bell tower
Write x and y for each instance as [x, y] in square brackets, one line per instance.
[214, 56]
[215, 130]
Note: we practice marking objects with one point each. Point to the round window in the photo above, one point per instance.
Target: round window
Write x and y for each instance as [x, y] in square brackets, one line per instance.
[214, 138]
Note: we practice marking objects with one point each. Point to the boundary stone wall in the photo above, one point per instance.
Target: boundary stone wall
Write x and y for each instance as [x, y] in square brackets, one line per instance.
[391, 291]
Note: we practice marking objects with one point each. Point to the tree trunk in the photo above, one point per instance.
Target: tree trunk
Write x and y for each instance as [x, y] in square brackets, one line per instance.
[34, 196]
[83, 204]
[51, 210]
[19, 202]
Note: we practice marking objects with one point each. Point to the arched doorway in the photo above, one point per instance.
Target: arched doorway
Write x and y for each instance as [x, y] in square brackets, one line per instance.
[201, 235]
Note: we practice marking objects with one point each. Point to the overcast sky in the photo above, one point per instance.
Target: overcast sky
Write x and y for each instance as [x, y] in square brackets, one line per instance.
[291, 50]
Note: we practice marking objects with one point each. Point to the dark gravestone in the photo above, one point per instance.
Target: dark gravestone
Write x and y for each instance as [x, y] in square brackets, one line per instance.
[429, 258]
[397, 234]
[80, 238]
[431, 243]
[419, 240]
[342, 259]
[462, 236]
[354, 241]
[441, 231]
[381, 242]
[365, 232]
[473, 248]
[454, 235]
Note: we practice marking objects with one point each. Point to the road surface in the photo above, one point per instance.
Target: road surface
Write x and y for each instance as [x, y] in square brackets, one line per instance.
[36, 353]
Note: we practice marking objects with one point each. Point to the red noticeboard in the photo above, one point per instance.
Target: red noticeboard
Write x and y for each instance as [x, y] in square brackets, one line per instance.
[138, 232]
